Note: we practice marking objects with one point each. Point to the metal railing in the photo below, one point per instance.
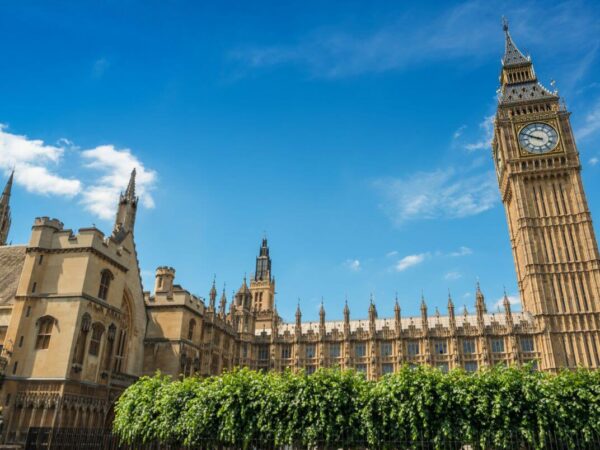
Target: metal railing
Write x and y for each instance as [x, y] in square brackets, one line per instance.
[97, 439]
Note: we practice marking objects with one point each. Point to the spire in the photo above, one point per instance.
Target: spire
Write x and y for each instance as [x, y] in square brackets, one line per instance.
[512, 55]
[424, 322]
[452, 318]
[130, 192]
[506, 302]
[372, 309]
[450, 302]
[346, 311]
[223, 303]
[263, 263]
[480, 300]
[125, 220]
[5, 217]
[396, 304]
[213, 294]
[298, 318]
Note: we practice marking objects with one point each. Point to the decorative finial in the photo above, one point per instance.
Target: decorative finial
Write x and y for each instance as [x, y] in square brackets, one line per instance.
[505, 24]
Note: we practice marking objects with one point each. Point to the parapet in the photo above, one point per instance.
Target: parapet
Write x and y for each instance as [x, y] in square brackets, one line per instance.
[48, 222]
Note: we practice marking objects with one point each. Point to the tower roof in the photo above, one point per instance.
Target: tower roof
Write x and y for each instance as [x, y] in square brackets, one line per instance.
[518, 80]
[130, 192]
[8, 188]
[512, 55]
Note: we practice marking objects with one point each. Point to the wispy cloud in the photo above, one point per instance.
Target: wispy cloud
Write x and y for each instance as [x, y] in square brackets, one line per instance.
[462, 251]
[514, 300]
[100, 67]
[452, 276]
[352, 264]
[487, 133]
[459, 32]
[593, 161]
[591, 124]
[438, 194]
[410, 261]
[459, 132]
[38, 168]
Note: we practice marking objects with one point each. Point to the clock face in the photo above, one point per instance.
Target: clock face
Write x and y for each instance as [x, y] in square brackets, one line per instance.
[538, 138]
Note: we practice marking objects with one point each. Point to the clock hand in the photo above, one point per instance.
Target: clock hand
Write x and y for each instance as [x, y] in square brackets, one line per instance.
[534, 137]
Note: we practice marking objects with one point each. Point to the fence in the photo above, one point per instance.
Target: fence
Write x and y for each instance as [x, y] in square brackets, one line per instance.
[99, 439]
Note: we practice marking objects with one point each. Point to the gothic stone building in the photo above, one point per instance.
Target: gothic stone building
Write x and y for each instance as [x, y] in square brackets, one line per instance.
[76, 327]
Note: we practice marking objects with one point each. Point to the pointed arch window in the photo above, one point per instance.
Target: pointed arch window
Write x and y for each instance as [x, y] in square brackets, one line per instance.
[45, 326]
[191, 329]
[96, 340]
[106, 277]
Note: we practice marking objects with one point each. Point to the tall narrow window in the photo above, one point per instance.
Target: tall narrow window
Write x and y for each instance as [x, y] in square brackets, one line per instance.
[120, 353]
[97, 332]
[105, 278]
[191, 328]
[44, 332]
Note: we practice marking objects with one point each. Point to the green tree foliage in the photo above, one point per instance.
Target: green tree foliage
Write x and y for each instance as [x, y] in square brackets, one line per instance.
[496, 408]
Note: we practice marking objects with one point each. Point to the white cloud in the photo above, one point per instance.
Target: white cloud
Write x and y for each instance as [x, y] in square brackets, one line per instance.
[35, 164]
[38, 165]
[462, 251]
[487, 134]
[410, 261]
[115, 167]
[100, 67]
[458, 133]
[514, 300]
[452, 276]
[352, 265]
[594, 161]
[591, 124]
[391, 254]
[438, 194]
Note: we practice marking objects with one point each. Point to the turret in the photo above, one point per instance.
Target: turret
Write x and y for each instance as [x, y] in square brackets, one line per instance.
[397, 317]
[125, 220]
[451, 317]
[508, 313]
[346, 319]
[480, 307]
[298, 320]
[5, 218]
[424, 321]
[372, 317]
[212, 296]
[164, 280]
[242, 298]
[322, 319]
[223, 303]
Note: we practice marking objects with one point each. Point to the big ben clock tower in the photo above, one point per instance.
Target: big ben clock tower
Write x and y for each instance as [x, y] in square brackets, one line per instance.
[550, 226]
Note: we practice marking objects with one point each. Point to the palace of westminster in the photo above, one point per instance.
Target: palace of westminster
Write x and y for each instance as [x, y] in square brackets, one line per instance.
[76, 326]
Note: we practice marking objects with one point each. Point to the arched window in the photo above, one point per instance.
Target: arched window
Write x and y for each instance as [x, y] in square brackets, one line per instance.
[45, 325]
[105, 278]
[97, 332]
[191, 328]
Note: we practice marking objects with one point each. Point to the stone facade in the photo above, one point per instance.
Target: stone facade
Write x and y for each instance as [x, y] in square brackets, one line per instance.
[76, 327]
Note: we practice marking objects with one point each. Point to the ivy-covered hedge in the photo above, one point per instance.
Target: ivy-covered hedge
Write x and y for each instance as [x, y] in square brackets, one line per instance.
[499, 408]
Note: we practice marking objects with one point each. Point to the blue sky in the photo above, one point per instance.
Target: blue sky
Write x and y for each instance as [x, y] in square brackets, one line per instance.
[355, 134]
